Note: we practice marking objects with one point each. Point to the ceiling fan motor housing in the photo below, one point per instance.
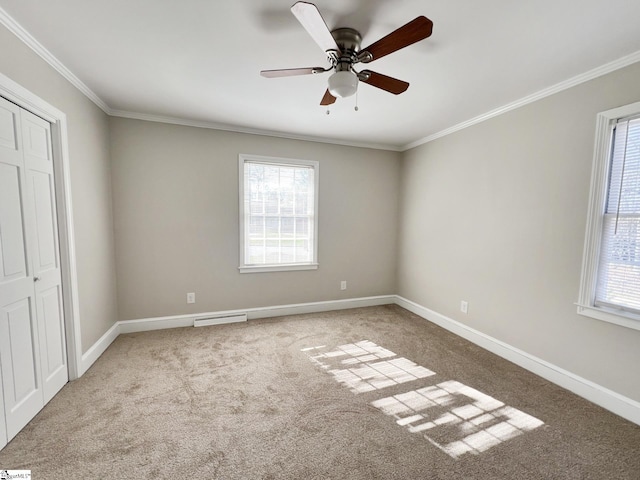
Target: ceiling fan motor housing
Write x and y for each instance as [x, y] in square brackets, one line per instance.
[349, 41]
[344, 82]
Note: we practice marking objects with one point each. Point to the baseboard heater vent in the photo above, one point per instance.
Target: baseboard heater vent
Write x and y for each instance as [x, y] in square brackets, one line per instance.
[219, 320]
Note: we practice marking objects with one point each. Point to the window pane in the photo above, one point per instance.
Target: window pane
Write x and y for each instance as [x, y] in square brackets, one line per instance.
[287, 175]
[256, 252]
[288, 249]
[272, 226]
[624, 186]
[279, 208]
[619, 272]
[286, 202]
[618, 282]
[302, 205]
[272, 251]
[256, 206]
[303, 253]
[303, 179]
[287, 227]
[256, 226]
[271, 176]
[255, 173]
[271, 202]
[302, 226]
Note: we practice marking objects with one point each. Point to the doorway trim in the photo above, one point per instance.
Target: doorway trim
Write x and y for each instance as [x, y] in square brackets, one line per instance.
[22, 97]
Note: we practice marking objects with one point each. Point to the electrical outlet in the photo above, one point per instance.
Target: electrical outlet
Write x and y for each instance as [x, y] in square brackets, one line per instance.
[343, 285]
[464, 306]
[191, 297]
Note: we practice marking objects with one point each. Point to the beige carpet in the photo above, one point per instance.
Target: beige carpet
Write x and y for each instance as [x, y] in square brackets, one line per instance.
[372, 393]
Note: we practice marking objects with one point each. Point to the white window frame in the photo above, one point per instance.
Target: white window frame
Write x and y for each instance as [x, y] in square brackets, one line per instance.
[249, 268]
[599, 180]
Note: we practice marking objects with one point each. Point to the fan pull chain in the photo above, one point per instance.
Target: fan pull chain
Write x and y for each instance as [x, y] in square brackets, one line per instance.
[356, 107]
[328, 111]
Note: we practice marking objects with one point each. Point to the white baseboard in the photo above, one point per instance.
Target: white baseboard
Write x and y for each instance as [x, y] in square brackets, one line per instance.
[608, 399]
[98, 348]
[315, 307]
[176, 321]
[157, 323]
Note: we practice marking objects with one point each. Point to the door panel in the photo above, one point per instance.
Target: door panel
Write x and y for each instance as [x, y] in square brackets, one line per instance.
[8, 133]
[18, 319]
[51, 328]
[35, 138]
[45, 257]
[20, 364]
[13, 260]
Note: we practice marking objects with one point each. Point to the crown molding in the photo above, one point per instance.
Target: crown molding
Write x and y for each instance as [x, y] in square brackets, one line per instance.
[28, 39]
[252, 131]
[558, 87]
[17, 29]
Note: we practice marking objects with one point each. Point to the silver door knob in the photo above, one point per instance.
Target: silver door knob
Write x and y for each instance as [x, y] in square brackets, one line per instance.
[35, 279]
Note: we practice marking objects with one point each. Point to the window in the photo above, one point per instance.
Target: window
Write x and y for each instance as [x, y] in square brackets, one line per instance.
[610, 286]
[278, 214]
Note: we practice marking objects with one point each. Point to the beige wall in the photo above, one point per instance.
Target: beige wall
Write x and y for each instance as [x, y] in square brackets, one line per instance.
[175, 195]
[90, 182]
[495, 215]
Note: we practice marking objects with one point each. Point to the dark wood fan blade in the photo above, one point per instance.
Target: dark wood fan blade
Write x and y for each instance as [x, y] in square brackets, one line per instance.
[288, 72]
[328, 99]
[390, 84]
[310, 18]
[414, 31]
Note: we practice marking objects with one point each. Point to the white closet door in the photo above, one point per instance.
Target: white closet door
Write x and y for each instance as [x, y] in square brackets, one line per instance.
[38, 156]
[33, 358]
[19, 343]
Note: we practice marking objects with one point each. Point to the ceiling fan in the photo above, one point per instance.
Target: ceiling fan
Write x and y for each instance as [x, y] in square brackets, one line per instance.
[342, 46]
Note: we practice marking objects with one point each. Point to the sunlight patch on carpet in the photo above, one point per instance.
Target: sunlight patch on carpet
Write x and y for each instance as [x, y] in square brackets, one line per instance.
[365, 370]
[455, 418]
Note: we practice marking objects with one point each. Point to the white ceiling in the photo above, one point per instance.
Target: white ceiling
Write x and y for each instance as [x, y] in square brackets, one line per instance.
[199, 60]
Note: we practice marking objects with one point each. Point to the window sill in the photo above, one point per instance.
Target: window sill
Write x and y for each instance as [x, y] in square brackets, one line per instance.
[277, 268]
[617, 317]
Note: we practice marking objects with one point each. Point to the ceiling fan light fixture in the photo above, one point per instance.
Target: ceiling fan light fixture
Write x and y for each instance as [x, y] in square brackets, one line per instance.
[343, 84]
